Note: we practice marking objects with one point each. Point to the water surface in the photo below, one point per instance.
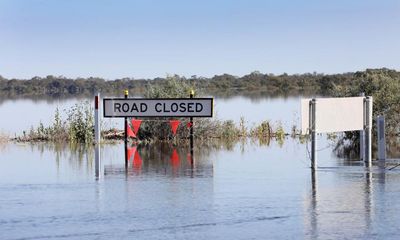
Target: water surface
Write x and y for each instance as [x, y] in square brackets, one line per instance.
[234, 191]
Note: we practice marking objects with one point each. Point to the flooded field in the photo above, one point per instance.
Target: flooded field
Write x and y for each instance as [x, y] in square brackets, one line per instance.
[234, 190]
[22, 114]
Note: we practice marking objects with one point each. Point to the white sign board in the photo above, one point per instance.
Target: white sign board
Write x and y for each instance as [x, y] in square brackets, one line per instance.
[334, 114]
[158, 107]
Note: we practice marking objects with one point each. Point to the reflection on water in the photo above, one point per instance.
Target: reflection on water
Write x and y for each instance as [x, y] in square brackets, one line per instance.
[235, 191]
[351, 205]
[164, 159]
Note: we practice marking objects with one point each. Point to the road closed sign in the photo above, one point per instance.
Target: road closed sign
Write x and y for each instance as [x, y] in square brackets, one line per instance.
[158, 107]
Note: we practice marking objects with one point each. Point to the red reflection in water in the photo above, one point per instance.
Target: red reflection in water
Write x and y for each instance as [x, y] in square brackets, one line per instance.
[137, 160]
[175, 159]
[131, 152]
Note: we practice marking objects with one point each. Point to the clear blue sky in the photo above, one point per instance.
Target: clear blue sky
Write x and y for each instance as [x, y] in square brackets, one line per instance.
[150, 38]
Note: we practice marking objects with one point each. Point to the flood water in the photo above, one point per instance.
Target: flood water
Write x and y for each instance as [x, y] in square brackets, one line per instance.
[241, 190]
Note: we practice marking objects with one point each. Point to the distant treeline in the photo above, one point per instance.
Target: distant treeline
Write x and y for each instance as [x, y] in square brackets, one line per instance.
[226, 84]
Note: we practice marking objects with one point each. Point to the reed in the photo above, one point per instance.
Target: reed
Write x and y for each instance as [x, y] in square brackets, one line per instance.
[4, 138]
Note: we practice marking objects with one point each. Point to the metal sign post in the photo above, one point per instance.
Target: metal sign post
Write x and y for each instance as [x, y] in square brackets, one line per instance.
[381, 138]
[126, 93]
[191, 135]
[368, 129]
[97, 133]
[313, 132]
[362, 139]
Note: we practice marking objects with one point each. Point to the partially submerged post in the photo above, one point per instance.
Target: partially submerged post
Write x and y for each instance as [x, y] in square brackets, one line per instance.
[126, 93]
[97, 133]
[362, 139]
[313, 132]
[368, 130]
[380, 120]
[191, 134]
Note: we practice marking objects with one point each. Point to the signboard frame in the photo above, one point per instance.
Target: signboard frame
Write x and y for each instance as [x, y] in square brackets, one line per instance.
[160, 99]
[311, 113]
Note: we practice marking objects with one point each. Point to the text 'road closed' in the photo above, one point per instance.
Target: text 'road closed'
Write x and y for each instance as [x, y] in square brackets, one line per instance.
[182, 107]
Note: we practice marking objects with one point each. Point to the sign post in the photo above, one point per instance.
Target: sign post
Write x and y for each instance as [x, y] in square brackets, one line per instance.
[313, 129]
[380, 122]
[191, 134]
[368, 131]
[97, 133]
[362, 139]
[126, 93]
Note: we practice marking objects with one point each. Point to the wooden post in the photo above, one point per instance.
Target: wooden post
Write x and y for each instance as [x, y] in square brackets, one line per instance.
[126, 93]
[191, 133]
[313, 130]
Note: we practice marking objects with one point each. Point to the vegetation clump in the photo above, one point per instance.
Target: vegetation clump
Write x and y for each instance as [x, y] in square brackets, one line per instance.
[78, 127]
[384, 86]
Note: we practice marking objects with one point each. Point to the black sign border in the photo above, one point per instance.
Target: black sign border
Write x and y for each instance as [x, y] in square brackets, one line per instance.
[184, 116]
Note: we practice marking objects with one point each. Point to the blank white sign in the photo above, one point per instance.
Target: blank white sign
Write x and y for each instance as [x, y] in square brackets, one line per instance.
[334, 114]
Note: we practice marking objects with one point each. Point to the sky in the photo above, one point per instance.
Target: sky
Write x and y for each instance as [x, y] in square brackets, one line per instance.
[153, 38]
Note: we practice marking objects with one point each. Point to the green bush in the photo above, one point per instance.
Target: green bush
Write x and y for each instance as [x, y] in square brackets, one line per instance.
[78, 127]
[384, 86]
[80, 123]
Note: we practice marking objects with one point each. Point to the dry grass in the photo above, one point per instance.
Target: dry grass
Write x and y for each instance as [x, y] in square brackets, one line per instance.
[4, 138]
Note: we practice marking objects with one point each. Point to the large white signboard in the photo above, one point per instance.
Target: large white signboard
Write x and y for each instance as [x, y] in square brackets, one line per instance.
[334, 114]
[166, 107]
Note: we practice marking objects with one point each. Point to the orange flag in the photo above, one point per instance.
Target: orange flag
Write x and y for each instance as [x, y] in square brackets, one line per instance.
[174, 125]
[136, 125]
[129, 131]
